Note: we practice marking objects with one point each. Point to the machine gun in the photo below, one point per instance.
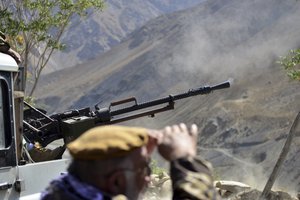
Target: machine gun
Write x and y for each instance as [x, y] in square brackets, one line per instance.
[39, 127]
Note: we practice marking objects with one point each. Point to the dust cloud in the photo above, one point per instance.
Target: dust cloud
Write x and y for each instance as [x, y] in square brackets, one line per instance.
[239, 40]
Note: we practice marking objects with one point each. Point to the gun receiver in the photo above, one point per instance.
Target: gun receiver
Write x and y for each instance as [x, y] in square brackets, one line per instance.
[38, 127]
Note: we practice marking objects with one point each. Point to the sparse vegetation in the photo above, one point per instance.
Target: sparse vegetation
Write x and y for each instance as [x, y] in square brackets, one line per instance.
[35, 28]
[156, 169]
[291, 63]
[30, 100]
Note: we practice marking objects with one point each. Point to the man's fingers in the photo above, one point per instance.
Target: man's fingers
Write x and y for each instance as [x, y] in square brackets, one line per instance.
[167, 129]
[194, 130]
[155, 135]
[183, 128]
[194, 133]
[176, 128]
[178, 141]
[180, 129]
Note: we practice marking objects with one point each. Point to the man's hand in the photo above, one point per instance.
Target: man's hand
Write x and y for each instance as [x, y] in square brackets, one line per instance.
[178, 142]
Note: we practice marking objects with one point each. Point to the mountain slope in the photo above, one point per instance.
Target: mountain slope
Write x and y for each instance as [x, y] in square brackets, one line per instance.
[100, 31]
[243, 128]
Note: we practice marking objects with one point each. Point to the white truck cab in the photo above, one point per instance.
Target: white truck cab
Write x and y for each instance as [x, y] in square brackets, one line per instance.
[17, 180]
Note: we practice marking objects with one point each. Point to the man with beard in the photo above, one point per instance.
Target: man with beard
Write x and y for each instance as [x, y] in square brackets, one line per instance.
[112, 162]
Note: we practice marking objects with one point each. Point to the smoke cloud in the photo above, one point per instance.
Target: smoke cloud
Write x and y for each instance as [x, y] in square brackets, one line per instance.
[240, 41]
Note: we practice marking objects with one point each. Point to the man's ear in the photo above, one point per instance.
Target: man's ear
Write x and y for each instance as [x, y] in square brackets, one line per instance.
[117, 183]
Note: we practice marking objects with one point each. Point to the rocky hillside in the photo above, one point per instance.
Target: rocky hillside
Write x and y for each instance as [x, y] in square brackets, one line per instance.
[243, 128]
[102, 30]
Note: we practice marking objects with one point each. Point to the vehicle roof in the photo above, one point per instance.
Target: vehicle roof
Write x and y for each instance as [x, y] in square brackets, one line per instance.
[7, 63]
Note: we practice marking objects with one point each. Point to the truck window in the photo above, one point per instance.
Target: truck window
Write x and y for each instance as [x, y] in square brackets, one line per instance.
[2, 135]
[4, 127]
[7, 146]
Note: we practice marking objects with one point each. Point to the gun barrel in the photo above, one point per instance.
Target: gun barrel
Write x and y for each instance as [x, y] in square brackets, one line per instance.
[171, 98]
[71, 124]
[223, 85]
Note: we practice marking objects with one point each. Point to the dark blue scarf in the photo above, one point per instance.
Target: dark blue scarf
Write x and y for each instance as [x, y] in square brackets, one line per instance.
[70, 187]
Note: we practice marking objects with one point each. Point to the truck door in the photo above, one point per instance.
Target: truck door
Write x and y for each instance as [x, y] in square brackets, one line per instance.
[8, 160]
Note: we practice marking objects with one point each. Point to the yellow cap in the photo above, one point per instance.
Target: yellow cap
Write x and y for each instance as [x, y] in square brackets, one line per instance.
[105, 142]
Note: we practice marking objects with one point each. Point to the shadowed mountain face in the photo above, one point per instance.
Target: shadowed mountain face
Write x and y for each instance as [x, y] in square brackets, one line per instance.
[243, 128]
[102, 30]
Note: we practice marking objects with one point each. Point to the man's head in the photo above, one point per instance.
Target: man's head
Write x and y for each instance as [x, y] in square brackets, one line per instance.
[115, 159]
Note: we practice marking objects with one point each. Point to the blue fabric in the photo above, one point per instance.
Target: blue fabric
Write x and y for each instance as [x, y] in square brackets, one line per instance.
[72, 188]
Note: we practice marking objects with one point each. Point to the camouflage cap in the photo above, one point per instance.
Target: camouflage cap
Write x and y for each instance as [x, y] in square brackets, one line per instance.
[107, 142]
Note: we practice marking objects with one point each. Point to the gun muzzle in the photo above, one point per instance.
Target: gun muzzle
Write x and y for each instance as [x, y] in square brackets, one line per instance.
[223, 85]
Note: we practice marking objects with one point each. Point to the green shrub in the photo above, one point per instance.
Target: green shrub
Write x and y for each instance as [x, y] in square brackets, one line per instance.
[291, 63]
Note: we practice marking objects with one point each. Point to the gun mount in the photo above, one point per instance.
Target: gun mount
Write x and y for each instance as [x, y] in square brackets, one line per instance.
[39, 127]
[18, 167]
